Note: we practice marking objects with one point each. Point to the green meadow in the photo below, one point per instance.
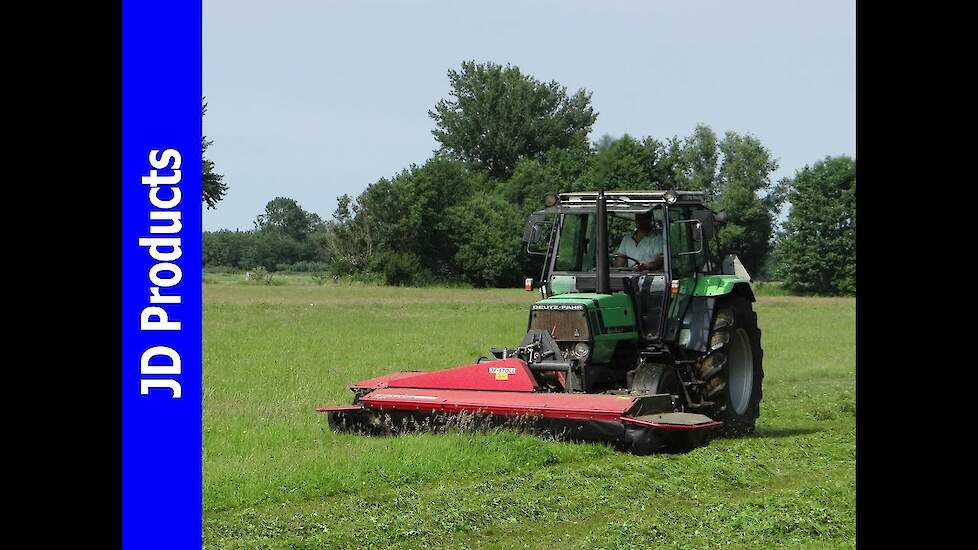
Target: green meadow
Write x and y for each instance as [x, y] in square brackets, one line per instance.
[275, 475]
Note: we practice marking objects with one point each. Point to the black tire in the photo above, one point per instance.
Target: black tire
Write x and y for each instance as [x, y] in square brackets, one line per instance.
[658, 378]
[732, 367]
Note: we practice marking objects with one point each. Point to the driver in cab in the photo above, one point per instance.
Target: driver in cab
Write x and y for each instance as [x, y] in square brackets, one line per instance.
[642, 250]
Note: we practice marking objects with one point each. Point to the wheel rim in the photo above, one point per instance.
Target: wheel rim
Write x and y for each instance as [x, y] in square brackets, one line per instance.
[740, 374]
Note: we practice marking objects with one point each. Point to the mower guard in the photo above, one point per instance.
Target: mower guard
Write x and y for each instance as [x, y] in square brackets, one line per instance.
[504, 393]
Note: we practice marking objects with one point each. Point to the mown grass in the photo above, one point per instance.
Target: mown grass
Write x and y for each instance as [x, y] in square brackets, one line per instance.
[276, 477]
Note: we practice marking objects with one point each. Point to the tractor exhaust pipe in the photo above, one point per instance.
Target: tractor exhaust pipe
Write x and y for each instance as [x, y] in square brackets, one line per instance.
[603, 283]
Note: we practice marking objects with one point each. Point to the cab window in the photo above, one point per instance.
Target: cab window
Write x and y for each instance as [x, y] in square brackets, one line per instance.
[681, 239]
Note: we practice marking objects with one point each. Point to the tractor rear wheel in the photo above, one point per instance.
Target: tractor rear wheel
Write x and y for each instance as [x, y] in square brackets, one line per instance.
[732, 366]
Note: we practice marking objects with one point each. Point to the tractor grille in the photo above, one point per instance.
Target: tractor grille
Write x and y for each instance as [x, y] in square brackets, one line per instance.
[571, 325]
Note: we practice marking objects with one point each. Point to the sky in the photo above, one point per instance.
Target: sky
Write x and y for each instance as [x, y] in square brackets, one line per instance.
[313, 99]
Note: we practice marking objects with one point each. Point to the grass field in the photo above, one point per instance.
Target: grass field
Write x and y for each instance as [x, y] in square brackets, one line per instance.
[275, 476]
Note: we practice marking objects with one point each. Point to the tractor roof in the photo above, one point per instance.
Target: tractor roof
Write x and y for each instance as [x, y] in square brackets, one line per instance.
[627, 201]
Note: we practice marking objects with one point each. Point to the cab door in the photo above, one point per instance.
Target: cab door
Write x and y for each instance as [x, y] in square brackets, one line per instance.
[685, 250]
[649, 289]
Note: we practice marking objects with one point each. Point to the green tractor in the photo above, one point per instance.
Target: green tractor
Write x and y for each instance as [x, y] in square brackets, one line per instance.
[684, 326]
[649, 354]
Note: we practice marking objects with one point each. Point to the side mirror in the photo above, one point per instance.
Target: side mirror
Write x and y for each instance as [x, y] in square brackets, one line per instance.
[531, 233]
[536, 234]
[538, 239]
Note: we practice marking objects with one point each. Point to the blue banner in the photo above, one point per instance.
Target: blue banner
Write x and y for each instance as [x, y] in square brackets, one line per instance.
[161, 274]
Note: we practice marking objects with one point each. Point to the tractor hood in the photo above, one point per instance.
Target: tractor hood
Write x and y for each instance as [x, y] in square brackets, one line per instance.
[609, 318]
[612, 312]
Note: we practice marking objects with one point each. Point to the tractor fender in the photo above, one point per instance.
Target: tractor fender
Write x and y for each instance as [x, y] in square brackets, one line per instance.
[744, 289]
[698, 319]
[721, 285]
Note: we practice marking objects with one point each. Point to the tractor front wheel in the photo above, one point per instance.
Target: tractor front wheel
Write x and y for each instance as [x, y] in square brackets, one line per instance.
[658, 378]
[732, 367]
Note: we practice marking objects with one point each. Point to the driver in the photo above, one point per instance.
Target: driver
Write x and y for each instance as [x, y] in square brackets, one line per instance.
[644, 245]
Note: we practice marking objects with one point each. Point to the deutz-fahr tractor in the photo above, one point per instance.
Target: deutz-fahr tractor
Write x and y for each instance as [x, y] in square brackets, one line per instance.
[648, 356]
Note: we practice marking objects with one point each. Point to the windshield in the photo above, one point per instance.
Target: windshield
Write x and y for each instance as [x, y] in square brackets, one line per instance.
[640, 240]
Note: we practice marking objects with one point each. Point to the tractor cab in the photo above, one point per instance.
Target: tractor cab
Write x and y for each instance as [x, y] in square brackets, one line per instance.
[581, 258]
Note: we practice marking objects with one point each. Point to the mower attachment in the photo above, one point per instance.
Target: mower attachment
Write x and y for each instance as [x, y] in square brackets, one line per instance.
[502, 393]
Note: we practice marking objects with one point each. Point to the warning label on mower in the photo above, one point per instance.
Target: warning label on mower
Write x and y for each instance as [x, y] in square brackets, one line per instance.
[502, 373]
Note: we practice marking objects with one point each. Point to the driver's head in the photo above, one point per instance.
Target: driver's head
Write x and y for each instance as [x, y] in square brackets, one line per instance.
[643, 221]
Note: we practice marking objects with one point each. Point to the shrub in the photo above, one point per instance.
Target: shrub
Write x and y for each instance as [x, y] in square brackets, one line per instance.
[259, 275]
[402, 269]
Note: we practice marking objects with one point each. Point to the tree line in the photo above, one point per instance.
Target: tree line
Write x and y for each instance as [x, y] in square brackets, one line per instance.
[506, 140]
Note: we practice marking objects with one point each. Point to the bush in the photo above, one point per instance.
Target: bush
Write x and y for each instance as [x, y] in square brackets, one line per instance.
[345, 265]
[273, 248]
[227, 248]
[401, 269]
[259, 275]
[487, 237]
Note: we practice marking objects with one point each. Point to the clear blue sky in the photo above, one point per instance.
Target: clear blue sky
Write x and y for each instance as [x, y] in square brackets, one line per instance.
[313, 99]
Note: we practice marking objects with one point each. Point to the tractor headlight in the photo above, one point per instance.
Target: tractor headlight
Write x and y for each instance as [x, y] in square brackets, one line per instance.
[670, 196]
[581, 350]
[550, 199]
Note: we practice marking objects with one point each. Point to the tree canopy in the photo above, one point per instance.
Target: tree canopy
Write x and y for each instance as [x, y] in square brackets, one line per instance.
[746, 194]
[817, 247]
[497, 115]
[285, 215]
[507, 139]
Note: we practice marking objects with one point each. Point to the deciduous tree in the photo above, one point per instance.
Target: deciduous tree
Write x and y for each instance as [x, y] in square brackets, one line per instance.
[817, 246]
[497, 115]
[746, 194]
[285, 215]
